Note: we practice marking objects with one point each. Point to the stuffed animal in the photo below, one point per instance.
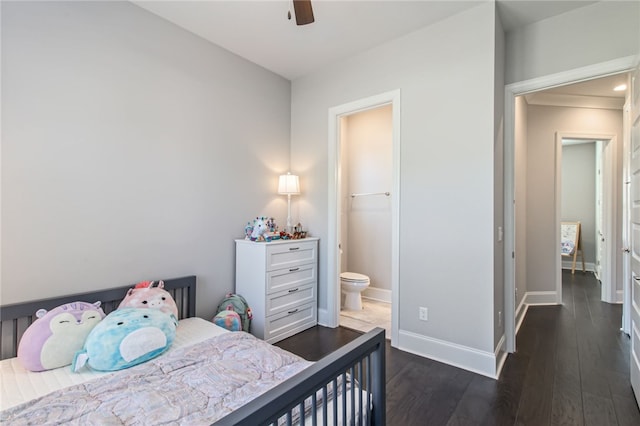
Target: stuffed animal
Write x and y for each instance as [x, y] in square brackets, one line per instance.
[127, 337]
[260, 229]
[52, 340]
[145, 295]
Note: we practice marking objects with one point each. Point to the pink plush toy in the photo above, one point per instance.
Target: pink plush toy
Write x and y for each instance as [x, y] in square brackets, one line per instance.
[54, 338]
[145, 295]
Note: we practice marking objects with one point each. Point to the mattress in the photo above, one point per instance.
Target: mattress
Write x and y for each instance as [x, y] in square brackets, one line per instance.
[19, 385]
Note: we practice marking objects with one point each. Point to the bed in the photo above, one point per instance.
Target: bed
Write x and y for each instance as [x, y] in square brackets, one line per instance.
[345, 387]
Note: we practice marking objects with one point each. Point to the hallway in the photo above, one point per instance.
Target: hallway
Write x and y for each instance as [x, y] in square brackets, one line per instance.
[577, 360]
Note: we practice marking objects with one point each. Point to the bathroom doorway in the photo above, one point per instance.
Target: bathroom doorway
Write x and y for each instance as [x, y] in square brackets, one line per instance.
[363, 211]
[366, 171]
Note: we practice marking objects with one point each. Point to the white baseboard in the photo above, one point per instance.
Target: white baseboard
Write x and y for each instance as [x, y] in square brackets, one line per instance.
[619, 296]
[588, 266]
[470, 359]
[500, 354]
[540, 298]
[521, 312]
[379, 294]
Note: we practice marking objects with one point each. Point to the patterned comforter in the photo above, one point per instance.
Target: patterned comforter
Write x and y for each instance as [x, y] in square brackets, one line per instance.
[195, 385]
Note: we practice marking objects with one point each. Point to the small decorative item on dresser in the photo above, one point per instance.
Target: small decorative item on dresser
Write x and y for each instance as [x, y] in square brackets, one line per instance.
[260, 230]
[298, 233]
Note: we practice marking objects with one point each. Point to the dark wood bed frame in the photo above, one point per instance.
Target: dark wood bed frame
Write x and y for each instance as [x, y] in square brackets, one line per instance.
[362, 360]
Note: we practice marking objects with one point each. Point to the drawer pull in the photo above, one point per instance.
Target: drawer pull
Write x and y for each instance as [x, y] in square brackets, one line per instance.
[294, 248]
[293, 290]
[292, 312]
[294, 269]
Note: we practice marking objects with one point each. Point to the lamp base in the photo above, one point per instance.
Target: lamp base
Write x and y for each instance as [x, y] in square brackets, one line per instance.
[289, 227]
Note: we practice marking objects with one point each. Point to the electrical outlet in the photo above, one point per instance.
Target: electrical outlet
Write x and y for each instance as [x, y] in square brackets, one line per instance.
[423, 313]
[499, 318]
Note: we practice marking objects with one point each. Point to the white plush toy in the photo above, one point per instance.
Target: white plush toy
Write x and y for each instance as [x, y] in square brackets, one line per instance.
[259, 230]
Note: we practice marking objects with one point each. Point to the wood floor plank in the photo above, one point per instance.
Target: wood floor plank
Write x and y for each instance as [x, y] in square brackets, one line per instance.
[479, 400]
[405, 394]
[509, 390]
[535, 404]
[598, 411]
[318, 341]
[566, 405]
[627, 412]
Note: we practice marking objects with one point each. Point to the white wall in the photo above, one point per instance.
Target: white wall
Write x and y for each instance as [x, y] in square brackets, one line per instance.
[446, 176]
[578, 200]
[131, 150]
[601, 32]
[368, 169]
[543, 123]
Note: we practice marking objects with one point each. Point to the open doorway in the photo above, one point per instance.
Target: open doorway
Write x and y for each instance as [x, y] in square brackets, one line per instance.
[587, 186]
[368, 203]
[366, 177]
[539, 261]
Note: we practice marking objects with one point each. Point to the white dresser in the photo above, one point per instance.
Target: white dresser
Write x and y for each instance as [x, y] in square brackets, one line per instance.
[279, 280]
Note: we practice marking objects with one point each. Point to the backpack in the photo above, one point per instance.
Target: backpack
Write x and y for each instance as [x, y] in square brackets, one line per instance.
[235, 302]
[229, 320]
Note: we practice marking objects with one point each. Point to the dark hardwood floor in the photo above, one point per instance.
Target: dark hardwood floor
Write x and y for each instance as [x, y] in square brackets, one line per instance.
[571, 367]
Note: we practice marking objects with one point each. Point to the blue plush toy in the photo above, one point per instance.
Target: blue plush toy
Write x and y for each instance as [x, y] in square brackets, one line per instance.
[127, 337]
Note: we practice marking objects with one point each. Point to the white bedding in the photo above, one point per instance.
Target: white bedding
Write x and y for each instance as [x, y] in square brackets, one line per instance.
[19, 385]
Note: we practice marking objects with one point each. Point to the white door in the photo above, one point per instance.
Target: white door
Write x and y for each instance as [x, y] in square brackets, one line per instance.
[635, 233]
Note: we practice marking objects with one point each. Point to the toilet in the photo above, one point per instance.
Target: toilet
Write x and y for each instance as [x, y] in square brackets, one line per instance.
[352, 285]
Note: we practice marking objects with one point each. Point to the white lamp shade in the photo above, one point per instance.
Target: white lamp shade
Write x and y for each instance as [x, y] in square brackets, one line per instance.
[288, 184]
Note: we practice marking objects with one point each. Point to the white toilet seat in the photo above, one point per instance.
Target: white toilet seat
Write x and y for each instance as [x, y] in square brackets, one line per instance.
[353, 277]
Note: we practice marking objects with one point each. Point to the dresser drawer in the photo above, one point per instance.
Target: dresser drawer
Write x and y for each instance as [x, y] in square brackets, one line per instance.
[287, 300]
[283, 322]
[284, 279]
[281, 256]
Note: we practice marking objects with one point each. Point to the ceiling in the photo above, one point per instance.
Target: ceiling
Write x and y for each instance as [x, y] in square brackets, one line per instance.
[260, 32]
[596, 93]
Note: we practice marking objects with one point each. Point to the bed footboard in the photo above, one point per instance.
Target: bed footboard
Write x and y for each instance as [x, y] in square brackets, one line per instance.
[356, 371]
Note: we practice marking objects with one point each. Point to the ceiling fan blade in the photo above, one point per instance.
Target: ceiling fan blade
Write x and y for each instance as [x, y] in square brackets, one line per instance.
[303, 12]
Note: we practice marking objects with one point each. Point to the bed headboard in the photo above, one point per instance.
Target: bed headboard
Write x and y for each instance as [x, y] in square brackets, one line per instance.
[15, 318]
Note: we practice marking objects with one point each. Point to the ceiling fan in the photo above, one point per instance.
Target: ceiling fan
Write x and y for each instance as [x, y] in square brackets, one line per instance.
[303, 12]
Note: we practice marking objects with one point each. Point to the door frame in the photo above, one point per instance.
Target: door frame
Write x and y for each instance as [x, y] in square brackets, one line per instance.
[609, 169]
[599, 207]
[626, 217]
[335, 204]
[511, 91]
